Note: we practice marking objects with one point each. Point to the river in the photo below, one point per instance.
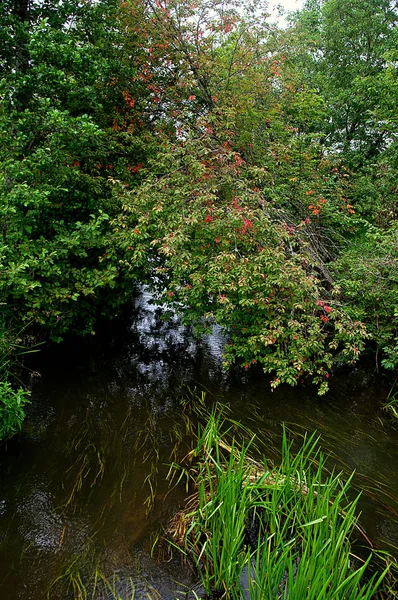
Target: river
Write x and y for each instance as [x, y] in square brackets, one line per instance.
[83, 489]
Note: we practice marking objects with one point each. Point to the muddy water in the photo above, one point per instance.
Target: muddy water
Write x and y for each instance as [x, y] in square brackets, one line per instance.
[83, 489]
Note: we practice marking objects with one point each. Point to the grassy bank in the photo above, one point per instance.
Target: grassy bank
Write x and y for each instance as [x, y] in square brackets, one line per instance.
[261, 532]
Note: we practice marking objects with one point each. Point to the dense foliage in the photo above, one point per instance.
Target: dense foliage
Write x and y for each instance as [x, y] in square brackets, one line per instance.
[62, 73]
[246, 172]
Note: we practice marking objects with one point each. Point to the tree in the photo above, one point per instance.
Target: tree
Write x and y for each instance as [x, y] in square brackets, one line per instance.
[62, 96]
[237, 202]
[349, 57]
[64, 72]
[246, 173]
[348, 41]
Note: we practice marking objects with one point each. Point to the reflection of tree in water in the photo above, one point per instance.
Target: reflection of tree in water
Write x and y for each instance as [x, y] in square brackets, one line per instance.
[165, 352]
[103, 459]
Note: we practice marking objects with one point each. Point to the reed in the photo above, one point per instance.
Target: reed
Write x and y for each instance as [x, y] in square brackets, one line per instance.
[262, 532]
[391, 406]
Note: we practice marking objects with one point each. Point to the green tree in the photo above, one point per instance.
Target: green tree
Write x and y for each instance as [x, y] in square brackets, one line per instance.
[238, 208]
[66, 78]
[348, 54]
[63, 70]
[347, 43]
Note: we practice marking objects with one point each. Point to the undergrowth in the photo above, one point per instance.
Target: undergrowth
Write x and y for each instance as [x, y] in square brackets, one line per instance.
[13, 395]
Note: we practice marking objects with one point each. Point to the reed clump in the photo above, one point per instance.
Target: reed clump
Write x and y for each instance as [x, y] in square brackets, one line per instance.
[261, 532]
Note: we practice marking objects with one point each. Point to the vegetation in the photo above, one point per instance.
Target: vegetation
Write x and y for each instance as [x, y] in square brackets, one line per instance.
[101, 587]
[13, 395]
[247, 173]
[12, 411]
[254, 530]
[391, 405]
[250, 528]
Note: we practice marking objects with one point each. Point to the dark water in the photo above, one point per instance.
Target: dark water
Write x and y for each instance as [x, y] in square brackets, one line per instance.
[83, 489]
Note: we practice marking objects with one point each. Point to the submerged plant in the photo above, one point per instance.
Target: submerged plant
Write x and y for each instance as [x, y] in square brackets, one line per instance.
[74, 582]
[263, 532]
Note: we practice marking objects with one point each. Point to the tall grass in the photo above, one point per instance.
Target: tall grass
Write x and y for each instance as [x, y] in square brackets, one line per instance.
[262, 532]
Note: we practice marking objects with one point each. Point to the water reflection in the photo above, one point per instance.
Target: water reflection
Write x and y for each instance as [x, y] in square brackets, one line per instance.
[84, 489]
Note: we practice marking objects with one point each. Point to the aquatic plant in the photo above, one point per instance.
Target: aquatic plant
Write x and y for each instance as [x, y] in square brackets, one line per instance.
[261, 531]
[81, 583]
[391, 406]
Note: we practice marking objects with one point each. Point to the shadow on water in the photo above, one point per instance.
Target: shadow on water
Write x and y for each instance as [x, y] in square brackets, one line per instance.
[84, 490]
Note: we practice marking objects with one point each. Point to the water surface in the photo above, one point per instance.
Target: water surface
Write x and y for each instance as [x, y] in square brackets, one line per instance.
[84, 486]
